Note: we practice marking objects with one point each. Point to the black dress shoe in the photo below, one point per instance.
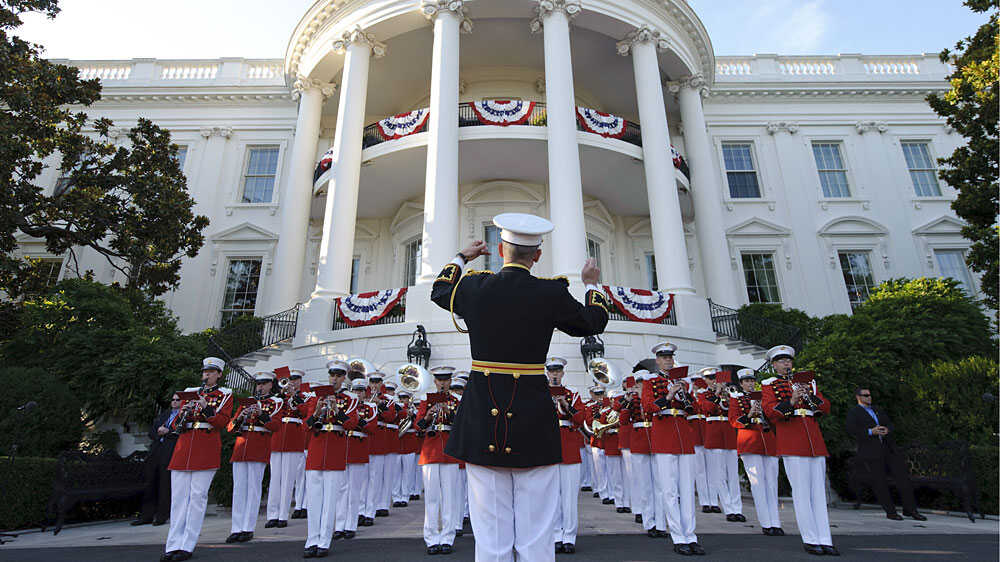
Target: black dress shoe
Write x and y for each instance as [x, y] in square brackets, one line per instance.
[322, 552]
[466, 520]
[696, 549]
[404, 504]
[813, 549]
[349, 534]
[779, 532]
[662, 534]
[271, 523]
[597, 495]
[608, 501]
[361, 519]
[628, 510]
[894, 516]
[233, 537]
[569, 548]
[381, 513]
[651, 533]
[683, 549]
[586, 489]
[369, 522]
[337, 535]
[638, 518]
[916, 515]
[434, 549]
[138, 522]
[741, 518]
[445, 549]
[397, 504]
[167, 556]
[246, 536]
[281, 524]
[157, 523]
[310, 552]
[559, 547]
[731, 517]
[830, 550]
[459, 532]
[767, 531]
[619, 510]
[414, 497]
[716, 509]
[299, 514]
[181, 555]
[706, 509]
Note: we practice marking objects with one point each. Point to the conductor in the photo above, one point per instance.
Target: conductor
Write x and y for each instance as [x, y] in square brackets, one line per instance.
[506, 427]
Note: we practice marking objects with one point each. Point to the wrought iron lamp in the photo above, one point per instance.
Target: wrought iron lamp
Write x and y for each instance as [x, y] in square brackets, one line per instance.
[419, 350]
[591, 347]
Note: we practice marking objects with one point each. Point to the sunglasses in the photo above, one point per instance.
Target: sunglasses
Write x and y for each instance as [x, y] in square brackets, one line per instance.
[864, 395]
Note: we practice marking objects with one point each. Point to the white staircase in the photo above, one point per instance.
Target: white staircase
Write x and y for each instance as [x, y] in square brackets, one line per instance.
[731, 351]
[265, 359]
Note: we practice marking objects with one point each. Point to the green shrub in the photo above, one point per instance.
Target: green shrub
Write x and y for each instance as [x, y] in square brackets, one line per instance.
[772, 336]
[54, 425]
[26, 487]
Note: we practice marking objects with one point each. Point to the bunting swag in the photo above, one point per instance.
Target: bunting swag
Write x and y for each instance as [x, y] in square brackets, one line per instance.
[399, 126]
[365, 309]
[641, 305]
[503, 112]
[324, 169]
[604, 124]
[680, 163]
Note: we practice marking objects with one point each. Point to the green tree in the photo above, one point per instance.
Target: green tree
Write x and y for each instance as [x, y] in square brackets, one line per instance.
[971, 108]
[51, 426]
[129, 204]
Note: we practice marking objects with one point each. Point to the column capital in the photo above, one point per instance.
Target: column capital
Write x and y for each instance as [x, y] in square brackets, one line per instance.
[358, 35]
[696, 83]
[431, 9]
[303, 83]
[773, 127]
[545, 8]
[643, 34]
[224, 132]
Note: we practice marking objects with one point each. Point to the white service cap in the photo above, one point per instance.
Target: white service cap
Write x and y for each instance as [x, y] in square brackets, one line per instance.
[443, 371]
[262, 376]
[665, 348]
[522, 229]
[555, 363]
[708, 371]
[358, 384]
[457, 383]
[746, 374]
[779, 351]
[213, 363]
[337, 365]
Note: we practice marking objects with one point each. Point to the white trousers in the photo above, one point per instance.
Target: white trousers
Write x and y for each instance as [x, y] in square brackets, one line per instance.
[285, 470]
[647, 494]
[586, 468]
[705, 496]
[325, 487]
[461, 497]
[762, 471]
[188, 501]
[300, 482]
[807, 475]
[349, 503]
[390, 475]
[627, 479]
[724, 478]
[376, 469]
[675, 480]
[406, 466]
[613, 474]
[418, 476]
[440, 507]
[247, 480]
[566, 519]
[512, 511]
[600, 476]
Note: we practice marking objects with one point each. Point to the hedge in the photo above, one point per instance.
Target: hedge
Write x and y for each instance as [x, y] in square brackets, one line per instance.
[27, 486]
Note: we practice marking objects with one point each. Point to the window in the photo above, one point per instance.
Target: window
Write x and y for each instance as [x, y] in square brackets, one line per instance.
[412, 264]
[49, 270]
[651, 271]
[355, 272]
[182, 152]
[951, 263]
[858, 276]
[261, 169]
[242, 282]
[832, 171]
[761, 280]
[594, 250]
[740, 171]
[491, 235]
[922, 169]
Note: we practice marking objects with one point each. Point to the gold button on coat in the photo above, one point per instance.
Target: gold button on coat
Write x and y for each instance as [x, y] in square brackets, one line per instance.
[493, 448]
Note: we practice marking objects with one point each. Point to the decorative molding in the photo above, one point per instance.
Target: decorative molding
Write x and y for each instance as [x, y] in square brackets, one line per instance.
[242, 98]
[642, 34]
[867, 126]
[685, 20]
[244, 236]
[303, 41]
[724, 93]
[224, 132]
[948, 129]
[431, 9]
[360, 36]
[944, 231]
[773, 127]
[545, 8]
[540, 85]
[462, 86]
[696, 82]
[303, 83]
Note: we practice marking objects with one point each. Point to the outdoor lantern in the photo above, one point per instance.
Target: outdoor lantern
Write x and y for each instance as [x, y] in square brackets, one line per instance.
[591, 347]
[419, 350]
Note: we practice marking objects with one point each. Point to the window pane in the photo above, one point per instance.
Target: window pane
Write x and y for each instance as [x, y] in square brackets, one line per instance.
[594, 250]
[182, 152]
[242, 282]
[740, 171]
[355, 269]
[832, 173]
[922, 169]
[952, 264]
[743, 184]
[651, 269]
[858, 276]
[738, 157]
[412, 262]
[491, 235]
[262, 166]
[761, 280]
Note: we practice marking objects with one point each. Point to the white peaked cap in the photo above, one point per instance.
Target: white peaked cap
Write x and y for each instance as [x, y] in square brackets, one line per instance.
[746, 374]
[664, 347]
[338, 364]
[264, 376]
[391, 384]
[522, 229]
[779, 350]
[555, 362]
[403, 392]
[296, 373]
[457, 382]
[708, 371]
[213, 363]
[358, 384]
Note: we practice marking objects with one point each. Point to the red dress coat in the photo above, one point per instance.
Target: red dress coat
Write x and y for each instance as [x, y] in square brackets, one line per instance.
[719, 433]
[796, 425]
[611, 443]
[199, 446]
[569, 428]
[359, 439]
[253, 444]
[436, 434]
[751, 438]
[594, 412]
[624, 428]
[671, 433]
[641, 425]
[328, 445]
[383, 443]
[290, 436]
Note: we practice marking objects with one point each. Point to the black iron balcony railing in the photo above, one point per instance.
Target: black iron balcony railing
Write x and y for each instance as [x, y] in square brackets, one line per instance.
[751, 328]
[669, 320]
[395, 315]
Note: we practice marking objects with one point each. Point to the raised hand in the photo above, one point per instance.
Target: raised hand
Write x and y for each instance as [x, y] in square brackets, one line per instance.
[474, 250]
[591, 274]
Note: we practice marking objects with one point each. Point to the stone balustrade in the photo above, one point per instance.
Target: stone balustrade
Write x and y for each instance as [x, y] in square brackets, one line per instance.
[170, 73]
[846, 67]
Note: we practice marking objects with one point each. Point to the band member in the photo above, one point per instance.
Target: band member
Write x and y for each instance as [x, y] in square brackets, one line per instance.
[720, 444]
[612, 454]
[440, 471]
[597, 446]
[757, 446]
[648, 499]
[504, 427]
[409, 446]
[625, 446]
[196, 457]
[572, 415]
[709, 501]
[350, 504]
[393, 462]
[288, 445]
[666, 396]
[255, 421]
[377, 501]
[793, 406]
[457, 388]
[332, 415]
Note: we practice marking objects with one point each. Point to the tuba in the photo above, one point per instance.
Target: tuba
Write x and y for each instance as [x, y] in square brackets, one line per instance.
[415, 378]
[603, 373]
[361, 366]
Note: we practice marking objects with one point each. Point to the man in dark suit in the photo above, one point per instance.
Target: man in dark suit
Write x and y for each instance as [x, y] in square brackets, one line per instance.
[156, 497]
[877, 454]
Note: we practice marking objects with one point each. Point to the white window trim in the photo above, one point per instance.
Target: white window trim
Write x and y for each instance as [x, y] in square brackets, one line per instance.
[929, 241]
[406, 225]
[775, 250]
[763, 175]
[860, 248]
[236, 193]
[404, 259]
[227, 258]
[854, 188]
[947, 193]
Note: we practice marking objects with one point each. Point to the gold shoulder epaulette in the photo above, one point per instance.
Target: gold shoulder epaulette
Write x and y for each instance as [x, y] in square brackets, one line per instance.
[561, 278]
[479, 272]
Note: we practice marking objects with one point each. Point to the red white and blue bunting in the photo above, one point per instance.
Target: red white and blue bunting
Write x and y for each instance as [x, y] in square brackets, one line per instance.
[679, 162]
[604, 124]
[324, 169]
[641, 305]
[399, 126]
[503, 112]
[365, 309]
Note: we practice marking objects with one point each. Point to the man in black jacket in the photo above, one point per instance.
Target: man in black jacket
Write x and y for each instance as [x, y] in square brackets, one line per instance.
[156, 497]
[877, 454]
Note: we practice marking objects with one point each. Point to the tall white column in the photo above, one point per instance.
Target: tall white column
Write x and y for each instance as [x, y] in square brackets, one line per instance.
[290, 255]
[333, 276]
[440, 236]
[672, 272]
[569, 239]
[706, 190]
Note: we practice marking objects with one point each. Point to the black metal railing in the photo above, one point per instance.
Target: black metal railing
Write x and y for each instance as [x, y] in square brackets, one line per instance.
[236, 377]
[396, 315]
[246, 334]
[669, 320]
[754, 329]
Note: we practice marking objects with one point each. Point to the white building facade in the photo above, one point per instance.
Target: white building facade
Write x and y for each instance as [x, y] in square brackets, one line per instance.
[807, 180]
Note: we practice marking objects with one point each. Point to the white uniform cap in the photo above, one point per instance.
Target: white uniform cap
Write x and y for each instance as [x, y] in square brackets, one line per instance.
[664, 347]
[296, 373]
[376, 375]
[779, 351]
[597, 390]
[391, 384]
[555, 363]
[642, 374]
[461, 375]
[403, 392]
[443, 371]
[458, 383]
[338, 365]
[358, 384]
[213, 363]
[708, 371]
[746, 374]
[615, 393]
[522, 229]
[263, 376]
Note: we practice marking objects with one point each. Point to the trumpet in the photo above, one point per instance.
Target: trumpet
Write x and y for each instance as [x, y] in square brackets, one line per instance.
[807, 395]
[601, 428]
[189, 409]
[248, 412]
[758, 409]
[327, 407]
[683, 397]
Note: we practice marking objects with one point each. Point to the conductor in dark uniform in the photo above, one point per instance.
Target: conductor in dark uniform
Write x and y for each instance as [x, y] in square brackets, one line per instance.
[506, 427]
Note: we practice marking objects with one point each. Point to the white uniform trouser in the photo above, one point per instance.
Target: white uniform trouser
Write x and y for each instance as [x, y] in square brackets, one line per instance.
[406, 468]
[566, 519]
[613, 474]
[463, 481]
[807, 475]
[705, 496]
[283, 476]
[600, 476]
[362, 495]
[724, 477]
[627, 479]
[762, 471]
[418, 476]
[513, 510]
[247, 479]
[676, 483]
[349, 503]
[440, 504]
[586, 468]
[376, 469]
[300, 482]
[325, 487]
[188, 500]
[390, 475]
[647, 492]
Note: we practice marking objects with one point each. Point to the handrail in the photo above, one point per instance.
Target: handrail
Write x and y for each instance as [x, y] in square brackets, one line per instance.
[236, 377]
[753, 329]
